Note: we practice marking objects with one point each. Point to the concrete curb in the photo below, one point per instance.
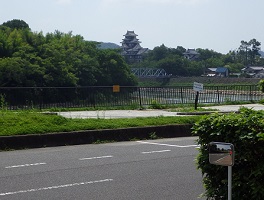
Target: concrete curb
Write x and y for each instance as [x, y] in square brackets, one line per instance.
[206, 112]
[92, 136]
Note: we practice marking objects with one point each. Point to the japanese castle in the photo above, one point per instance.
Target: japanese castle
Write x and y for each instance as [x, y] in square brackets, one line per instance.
[131, 49]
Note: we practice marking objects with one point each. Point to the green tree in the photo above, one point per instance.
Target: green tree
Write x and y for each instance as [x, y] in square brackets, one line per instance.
[159, 53]
[5, 47]
[29, 59]
[261, 85]
[113, 70]
[17, 72]
[254, 51]
[206, 54]
[195, 68]
[16, 24]
[249, 51]
[173, 65]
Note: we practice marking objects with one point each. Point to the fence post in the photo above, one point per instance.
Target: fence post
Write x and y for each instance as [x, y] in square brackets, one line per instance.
[250, 93]
[40, 99]
[218, 95]
[182, 96]
[196, 100]
[139, 94]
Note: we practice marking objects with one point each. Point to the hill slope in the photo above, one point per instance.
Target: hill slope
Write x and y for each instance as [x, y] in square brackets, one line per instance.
[108, 45]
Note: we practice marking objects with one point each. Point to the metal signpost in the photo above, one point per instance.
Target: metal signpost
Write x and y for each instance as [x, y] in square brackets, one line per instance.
[198, 87]
[223, 154]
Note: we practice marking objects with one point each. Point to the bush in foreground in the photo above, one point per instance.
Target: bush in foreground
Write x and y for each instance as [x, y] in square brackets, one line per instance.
[246, 131]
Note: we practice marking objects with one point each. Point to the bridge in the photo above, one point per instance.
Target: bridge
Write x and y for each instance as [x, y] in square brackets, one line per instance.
[150, 72]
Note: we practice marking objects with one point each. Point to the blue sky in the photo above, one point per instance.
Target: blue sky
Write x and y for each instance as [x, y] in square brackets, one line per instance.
[219, 25]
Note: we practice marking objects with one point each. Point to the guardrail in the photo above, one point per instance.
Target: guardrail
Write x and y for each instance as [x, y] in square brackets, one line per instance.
[105, 96]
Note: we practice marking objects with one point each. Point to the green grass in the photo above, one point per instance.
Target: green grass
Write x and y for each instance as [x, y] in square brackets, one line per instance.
[190, 108]
[32, 122]
[24, 122]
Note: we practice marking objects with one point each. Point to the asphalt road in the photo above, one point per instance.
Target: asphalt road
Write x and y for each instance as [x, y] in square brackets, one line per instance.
[152, 169]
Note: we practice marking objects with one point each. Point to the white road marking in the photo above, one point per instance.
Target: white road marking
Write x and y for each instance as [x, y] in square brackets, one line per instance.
[55, 187]
[92, 158]
[162, 151]
[25, 165]
[168, 145]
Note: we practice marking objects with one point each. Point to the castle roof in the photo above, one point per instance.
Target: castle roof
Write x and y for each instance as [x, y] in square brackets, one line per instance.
[142, 50]
[135, 40]
[191, 51]
[130, 33]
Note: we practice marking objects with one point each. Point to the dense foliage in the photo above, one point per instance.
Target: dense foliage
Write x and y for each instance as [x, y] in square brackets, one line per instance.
[174, 62]
[245, 131]
[261, 85]
[56, 59]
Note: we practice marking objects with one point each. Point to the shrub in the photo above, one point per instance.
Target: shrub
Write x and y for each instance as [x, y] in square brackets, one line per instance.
[246, 131]
[261, 85]
[156, 105]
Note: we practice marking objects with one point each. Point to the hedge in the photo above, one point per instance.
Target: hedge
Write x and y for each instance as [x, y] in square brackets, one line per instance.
[261, 85]
[246, 131]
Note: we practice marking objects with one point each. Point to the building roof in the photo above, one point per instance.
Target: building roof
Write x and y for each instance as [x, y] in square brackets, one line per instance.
[221, 69]
[130, 33]
[191, 51]
[130, 41]
[212, 69]
[255, 68]
[124, 45]
[137, 47]
[143, 50]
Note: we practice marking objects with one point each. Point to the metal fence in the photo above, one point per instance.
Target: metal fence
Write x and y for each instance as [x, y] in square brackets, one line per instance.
[70, 97]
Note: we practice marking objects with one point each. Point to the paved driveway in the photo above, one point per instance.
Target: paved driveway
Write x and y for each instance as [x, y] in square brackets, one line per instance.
[110, 114]
[233, 108]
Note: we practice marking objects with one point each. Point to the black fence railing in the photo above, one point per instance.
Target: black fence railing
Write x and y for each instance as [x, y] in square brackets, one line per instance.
[104, 96]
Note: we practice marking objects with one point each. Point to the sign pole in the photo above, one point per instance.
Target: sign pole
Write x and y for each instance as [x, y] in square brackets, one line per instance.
[221, 153]
[229, 182]
[198, 87]
[196, 100]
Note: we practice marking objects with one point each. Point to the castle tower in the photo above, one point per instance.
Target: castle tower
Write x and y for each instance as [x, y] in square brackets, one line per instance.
[131, 48]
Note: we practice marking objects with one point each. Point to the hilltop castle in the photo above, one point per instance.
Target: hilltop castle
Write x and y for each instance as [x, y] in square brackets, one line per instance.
[131, 49]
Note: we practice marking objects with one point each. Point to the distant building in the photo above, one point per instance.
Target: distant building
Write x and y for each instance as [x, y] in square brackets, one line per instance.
[260, 74]
[210, 72]
[131, 48]
[254, 71]
[191, 54]
[217, 72]
[222, 72]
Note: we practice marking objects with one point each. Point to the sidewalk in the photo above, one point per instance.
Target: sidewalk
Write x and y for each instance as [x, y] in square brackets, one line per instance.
[111, 114]
[234, 108]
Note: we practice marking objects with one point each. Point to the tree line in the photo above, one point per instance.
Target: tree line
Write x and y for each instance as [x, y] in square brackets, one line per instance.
[172, 60]
[30, 59]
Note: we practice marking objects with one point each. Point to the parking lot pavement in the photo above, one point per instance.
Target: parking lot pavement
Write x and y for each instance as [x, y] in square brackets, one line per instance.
[111, 114]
